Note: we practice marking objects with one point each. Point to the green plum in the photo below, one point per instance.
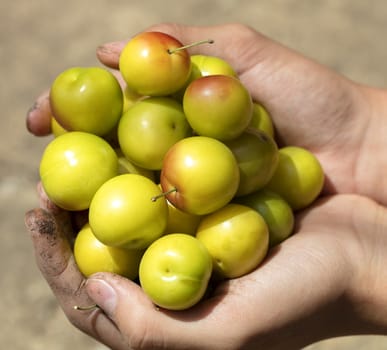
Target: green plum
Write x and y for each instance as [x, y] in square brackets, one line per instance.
[180, 221]
[125, 166]
[261, 119]
[257, 157]
[87, 99]
[175, 271]
[73, 166]
[277, 213]
[203, 65]
[237, 239]
[124, 214]
[149, 128]
[93, 256]
[298, 178]
[130, 98]
[56, 128]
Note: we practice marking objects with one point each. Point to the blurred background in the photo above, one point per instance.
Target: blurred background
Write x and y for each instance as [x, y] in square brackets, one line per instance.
[40, 38]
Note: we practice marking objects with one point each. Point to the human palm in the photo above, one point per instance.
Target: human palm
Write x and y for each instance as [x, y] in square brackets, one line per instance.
[303, 281]
[302, 293]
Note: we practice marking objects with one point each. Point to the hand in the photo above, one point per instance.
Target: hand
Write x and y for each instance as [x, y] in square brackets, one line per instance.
[327, 280]
[337, 246]
[342, 122]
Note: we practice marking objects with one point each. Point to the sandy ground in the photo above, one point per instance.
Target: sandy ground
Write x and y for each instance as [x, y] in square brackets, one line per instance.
[40, 38]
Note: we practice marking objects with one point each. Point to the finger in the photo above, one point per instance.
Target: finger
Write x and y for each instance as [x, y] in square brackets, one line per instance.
[45, 203]
[233, 47]
[131, 310]
[149, 327]
[61, 216]
[109, 53]
[38, 119]
[229, 40]
[70, 222]
[51, 247]
[56, 263]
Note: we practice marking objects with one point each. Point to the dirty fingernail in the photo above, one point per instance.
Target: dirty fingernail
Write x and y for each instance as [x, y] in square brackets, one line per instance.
[103, 294]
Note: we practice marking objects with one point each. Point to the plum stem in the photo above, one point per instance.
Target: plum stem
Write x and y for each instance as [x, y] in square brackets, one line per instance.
[207, 41]
[155, 198]
[86, 308]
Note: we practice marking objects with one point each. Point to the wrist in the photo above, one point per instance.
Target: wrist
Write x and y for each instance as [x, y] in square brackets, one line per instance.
[370, 156]
[367, 290]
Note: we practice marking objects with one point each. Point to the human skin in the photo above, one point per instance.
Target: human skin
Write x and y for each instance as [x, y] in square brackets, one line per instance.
[335, 260]
[334, 248]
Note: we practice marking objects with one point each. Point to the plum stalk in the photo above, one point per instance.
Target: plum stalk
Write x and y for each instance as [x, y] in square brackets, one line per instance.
[207, 41]
[164, 194]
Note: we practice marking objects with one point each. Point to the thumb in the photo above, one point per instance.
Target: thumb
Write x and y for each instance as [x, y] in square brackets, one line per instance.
[109, 53]
[123, 301]
[142, 324]
[116, 295]
[231, 42]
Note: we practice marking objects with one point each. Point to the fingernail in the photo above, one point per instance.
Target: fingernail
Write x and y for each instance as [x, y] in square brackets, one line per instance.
[32, 109]
[103, 294]
[104, 48]
[29, 117]
[112, 47]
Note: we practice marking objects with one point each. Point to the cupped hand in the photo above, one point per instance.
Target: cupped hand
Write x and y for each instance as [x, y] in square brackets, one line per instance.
[323, 281]
[313, 286]
[312, 106]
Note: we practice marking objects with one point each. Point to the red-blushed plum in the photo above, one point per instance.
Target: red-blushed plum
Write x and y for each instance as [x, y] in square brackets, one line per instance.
[199, 175]
[203, 65]
[149, 128]
[180, 221]
[218, 106]
[150, 65]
